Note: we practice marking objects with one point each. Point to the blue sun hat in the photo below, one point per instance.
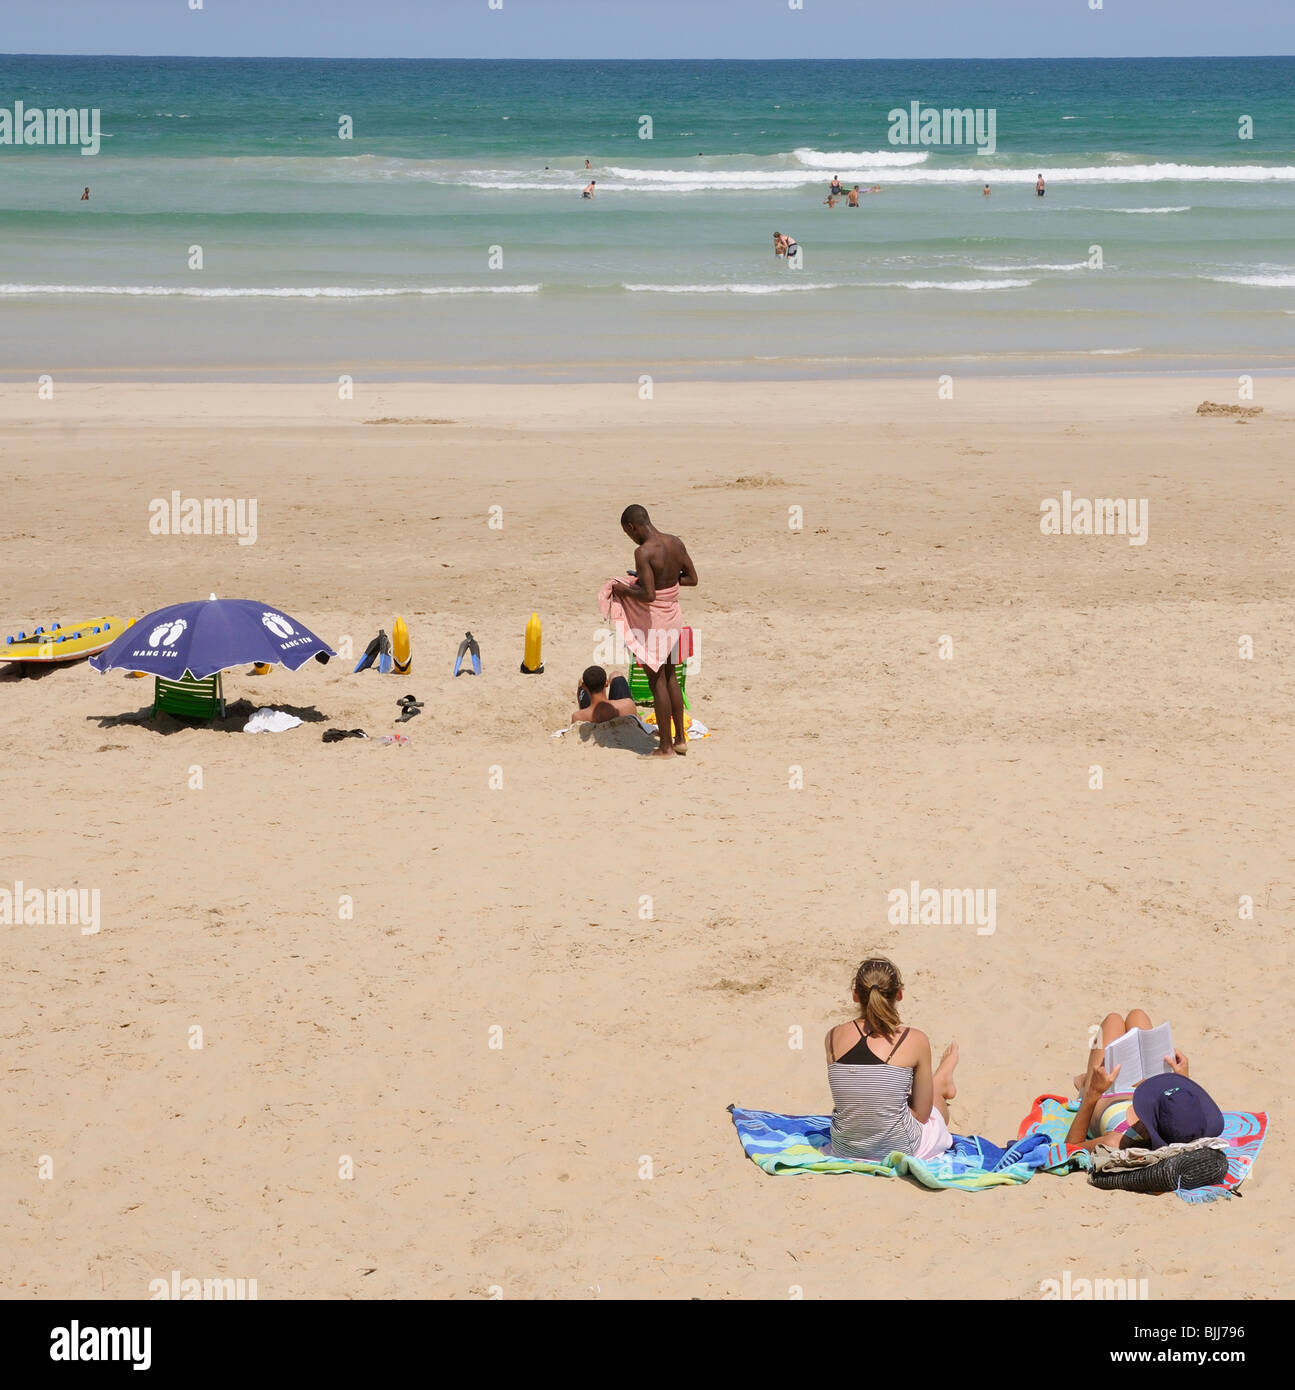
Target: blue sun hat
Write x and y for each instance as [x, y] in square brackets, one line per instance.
[1176, 1110]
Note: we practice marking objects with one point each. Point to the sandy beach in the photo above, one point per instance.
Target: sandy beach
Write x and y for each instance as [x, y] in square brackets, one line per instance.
[498, 874]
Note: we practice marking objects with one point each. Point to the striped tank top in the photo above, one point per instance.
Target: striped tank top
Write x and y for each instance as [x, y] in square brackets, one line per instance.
[870, 1115]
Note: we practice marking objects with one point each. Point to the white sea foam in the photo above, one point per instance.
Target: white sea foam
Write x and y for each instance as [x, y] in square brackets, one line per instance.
[773, 172]
[682, 180]
[726, 289]
[866, 159]
[960, 286]
[1044, 265]
[696, 180]
[1113, 352]
[1145, 212]
[269, 292]
[1280, 282]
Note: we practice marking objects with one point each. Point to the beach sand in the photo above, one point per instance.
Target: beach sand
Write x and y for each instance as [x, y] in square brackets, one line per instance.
[520, 906]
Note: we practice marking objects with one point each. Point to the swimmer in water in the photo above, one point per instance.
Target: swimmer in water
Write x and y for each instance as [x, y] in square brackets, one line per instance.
[1040, 188]
[852, 197]
[589, 188]
[85, 197]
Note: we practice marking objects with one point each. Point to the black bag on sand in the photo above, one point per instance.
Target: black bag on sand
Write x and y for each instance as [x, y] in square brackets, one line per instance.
[1188, 1170]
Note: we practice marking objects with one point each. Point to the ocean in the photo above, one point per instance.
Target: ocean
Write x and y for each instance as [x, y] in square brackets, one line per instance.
[448, 239]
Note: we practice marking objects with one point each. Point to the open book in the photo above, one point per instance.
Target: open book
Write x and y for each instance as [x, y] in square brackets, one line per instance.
[1140, 1053]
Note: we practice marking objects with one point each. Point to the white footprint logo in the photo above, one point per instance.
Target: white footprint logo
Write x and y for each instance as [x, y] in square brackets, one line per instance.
[278, 624]
[167, 634]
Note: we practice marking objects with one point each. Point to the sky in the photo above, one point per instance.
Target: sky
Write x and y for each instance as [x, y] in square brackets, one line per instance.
[652, 28]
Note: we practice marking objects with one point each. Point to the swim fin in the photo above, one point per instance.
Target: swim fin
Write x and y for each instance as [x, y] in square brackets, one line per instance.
[378, 650]
[466, 647]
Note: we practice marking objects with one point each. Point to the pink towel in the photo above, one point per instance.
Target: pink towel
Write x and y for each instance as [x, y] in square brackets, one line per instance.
[650, 630]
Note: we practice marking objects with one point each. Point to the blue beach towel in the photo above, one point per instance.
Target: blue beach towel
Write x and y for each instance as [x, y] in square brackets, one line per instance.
[782, 1144]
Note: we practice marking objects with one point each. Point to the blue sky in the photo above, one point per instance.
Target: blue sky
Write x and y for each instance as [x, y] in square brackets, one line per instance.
[652, 28]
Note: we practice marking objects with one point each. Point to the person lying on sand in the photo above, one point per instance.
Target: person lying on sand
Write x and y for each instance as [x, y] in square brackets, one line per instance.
[885, 1095]
[597, 703]
[1166, 1109]
[648, 619]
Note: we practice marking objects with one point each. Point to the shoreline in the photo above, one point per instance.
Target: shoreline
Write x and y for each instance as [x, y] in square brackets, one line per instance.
[903, 400]
[1092, 366]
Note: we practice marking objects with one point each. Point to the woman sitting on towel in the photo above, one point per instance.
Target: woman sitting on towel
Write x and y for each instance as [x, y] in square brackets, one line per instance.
[886, 1097]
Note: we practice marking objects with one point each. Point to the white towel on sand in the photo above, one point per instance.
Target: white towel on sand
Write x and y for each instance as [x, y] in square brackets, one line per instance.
[270, 721]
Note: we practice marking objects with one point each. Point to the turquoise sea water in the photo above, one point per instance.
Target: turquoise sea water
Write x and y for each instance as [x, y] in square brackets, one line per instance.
[448, 236]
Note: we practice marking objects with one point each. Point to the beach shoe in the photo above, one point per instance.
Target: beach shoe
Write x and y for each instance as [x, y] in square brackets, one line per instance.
[1186, 1171]
[410, 705]
[336, 735]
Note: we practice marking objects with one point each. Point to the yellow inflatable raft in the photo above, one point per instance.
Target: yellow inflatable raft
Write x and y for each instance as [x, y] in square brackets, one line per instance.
[63, 641]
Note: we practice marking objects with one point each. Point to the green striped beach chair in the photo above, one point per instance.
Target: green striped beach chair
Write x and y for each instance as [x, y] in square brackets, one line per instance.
[189, 698]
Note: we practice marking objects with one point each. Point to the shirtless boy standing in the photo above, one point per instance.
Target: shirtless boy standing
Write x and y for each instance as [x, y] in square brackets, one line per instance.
[661, 562]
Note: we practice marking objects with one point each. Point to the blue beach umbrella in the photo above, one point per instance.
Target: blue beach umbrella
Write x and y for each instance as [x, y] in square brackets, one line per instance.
[205, 637]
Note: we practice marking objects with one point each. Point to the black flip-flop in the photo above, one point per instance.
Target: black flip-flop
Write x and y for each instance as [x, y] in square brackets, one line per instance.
[410, 700]
[1188, 1170]
[408, 712]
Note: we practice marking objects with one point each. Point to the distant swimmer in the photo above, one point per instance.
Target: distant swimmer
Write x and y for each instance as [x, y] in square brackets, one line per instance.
[1040, 188]
[834, 188]
[589, 188]
[830, 201]
[588, 165]
[987, 191]
[876, 188]
[852, 197]
[85, 197]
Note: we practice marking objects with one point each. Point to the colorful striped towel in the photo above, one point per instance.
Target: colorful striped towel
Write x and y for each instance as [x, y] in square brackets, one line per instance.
[1245, 1131]
[799, 1144]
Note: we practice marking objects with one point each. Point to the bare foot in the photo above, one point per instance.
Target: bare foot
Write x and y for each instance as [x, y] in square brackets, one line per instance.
[663, 752]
